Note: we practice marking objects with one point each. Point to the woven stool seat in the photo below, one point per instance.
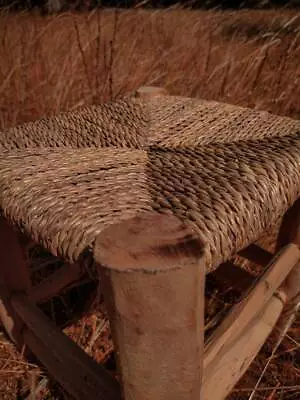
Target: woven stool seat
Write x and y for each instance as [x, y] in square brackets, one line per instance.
[231, 172]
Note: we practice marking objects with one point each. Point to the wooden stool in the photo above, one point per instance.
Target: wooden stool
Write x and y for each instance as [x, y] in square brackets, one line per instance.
[147, 232]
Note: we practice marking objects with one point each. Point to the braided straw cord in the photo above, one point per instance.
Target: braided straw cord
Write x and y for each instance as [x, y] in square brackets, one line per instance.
[120, 124]
[164, 121]
[231, 192]
[63, 199]
[184, 122]
[228, 171]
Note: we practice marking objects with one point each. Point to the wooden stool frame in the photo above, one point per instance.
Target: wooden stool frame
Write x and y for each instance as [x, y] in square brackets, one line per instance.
[152, 271]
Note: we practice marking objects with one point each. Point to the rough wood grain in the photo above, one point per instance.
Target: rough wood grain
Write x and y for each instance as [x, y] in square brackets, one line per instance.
[153, 282]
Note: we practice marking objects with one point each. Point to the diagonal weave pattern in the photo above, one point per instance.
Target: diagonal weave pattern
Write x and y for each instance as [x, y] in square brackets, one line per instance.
[230, 172]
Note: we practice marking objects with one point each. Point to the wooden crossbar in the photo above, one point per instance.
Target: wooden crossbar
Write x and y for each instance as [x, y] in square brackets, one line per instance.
[235, 343]
[82, 377]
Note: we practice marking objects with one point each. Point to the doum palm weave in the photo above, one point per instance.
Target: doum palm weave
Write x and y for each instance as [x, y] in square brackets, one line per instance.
[230, 172]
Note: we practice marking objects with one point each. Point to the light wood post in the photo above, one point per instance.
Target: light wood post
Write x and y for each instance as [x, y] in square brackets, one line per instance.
[14, 277]
[153, 282]
[150, 91]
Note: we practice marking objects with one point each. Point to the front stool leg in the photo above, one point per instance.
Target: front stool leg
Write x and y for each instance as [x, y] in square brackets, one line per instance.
[152, 276]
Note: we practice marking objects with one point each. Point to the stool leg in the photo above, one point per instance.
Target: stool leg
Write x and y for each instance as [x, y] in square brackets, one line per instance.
[153, 281]
[150, 91]
[14, 277]
[289, 232]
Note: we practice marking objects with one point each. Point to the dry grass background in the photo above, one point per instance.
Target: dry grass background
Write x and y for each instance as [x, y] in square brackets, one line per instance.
[49, 64]
[54, 63]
